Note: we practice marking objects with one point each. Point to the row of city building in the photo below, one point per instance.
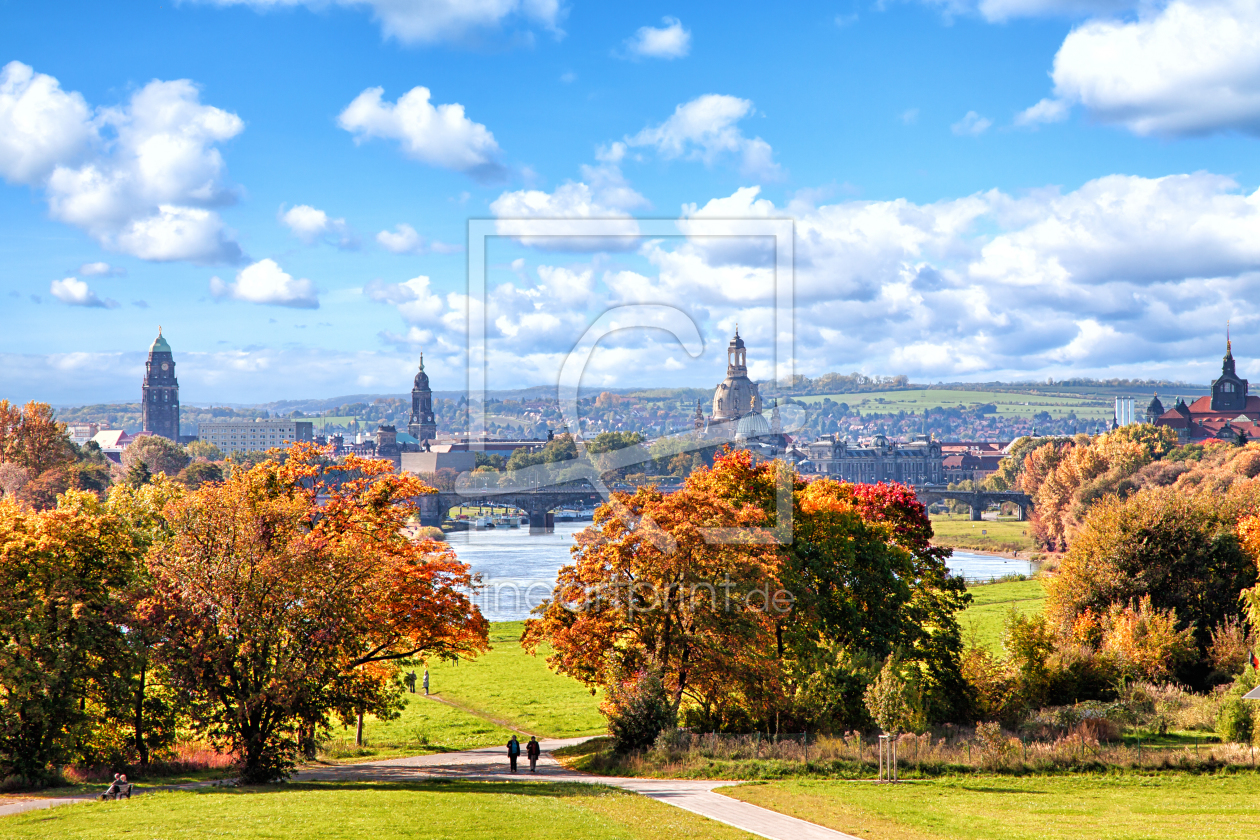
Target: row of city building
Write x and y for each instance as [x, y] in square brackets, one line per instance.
[737, 418]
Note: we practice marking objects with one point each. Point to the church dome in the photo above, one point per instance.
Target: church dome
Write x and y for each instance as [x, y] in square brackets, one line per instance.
[159, 344]
[735, 397]
[1156, 408]
[422, 378]
[752, 426]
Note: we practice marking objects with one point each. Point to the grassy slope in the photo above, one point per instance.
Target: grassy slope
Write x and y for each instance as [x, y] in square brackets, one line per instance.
[958, 531]
[450, 810]
[1007, 404]
[508, 684]
[428, 726]
[1012, 808]
[990, 605]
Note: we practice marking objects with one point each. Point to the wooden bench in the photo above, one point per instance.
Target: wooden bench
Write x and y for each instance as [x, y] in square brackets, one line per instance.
[123, 792]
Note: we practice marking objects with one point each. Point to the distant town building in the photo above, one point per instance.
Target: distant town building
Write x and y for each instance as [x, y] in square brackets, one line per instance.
[879, 459]
[1229, 413]
[81, 433]
[422, 425]
[737, 401]
[971, 460]
[256, 435]
[159, 394]
[438, 457]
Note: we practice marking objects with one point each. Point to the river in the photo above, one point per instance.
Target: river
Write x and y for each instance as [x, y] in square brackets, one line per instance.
[519, 570]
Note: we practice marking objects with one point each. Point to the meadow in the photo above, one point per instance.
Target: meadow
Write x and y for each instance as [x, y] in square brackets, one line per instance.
[503, 688]
[1008, 404]
[959, 531]
[1112, 806]
[983, 621]
[452, 810]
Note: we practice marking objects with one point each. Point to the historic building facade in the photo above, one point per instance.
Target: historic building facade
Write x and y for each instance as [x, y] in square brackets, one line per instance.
[159, 393]
[422, 424]
[1228, 413]
[917, 462]
[255, 435]
[737, 404]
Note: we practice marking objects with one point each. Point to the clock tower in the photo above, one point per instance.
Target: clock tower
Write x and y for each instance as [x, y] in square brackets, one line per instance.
[160, 391]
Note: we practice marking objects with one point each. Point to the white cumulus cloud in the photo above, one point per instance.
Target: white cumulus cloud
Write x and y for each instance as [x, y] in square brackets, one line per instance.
[75, 292]
[266, 282]
[440, 135]
[434, 21]
[1187, 68]
[143, 178]
[41, 125]
[971, 125]
[668, 41]
[101, 269]
[403, 239]
[706, 129]
[1045, 111]
[312, 225]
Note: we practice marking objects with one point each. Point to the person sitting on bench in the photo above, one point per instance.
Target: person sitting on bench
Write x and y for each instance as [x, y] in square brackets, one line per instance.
[119, 788]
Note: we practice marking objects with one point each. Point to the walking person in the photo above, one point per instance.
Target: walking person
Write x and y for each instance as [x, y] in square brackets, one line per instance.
[426, 682]
[532, 749]
[514, 751]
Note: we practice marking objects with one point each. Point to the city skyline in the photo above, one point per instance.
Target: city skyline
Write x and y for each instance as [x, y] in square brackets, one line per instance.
[979, 192]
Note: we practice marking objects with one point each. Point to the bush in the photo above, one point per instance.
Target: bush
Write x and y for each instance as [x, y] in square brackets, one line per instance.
[1234, 720]
[638, 710]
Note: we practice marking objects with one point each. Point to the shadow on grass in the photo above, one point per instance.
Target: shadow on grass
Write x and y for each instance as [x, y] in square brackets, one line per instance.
[452, 786]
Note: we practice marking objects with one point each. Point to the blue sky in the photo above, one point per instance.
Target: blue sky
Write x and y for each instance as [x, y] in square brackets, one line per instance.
[1014, 189]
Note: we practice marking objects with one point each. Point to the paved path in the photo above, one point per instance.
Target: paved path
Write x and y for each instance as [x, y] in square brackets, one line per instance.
[490, 764]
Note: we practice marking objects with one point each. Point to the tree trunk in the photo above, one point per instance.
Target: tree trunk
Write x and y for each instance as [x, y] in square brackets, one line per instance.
[142, 747]
[358, 731]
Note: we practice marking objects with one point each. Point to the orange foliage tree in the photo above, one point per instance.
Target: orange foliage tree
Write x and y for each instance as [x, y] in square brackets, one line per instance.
[289, 593]
[745, 632]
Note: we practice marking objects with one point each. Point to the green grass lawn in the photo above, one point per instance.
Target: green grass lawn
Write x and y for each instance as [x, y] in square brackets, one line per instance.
[1008, 404]
[425, 726]
[1114, 807]
[958, 531]
[455, 810]
[991, 603]
[509, 685]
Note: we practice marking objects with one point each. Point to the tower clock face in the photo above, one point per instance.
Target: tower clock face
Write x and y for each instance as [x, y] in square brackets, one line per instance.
[165, 366]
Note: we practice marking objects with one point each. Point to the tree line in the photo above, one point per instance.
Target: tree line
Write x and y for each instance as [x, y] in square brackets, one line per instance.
[253, 612]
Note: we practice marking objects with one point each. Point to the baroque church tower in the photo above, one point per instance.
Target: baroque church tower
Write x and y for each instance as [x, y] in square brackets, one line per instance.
[422, 425]
[160, 391]
[1229, 391]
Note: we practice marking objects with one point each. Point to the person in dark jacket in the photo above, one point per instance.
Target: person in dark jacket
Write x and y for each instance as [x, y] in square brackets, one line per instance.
[532, 749]
[514, 751]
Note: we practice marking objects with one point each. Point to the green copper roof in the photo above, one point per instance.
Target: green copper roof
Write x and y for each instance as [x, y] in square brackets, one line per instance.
[159, 344]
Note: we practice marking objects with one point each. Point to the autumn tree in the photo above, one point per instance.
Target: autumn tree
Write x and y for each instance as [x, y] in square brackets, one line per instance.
[159, 455]
[288, 593]
[663, 599]
[1180, 550]
[796, 632]
[61, 572]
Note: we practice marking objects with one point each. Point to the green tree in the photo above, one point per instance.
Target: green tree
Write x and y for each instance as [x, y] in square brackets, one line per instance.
[158, 454]
[62, 572]
[1179, 549]
[204, 449]
[199, 472]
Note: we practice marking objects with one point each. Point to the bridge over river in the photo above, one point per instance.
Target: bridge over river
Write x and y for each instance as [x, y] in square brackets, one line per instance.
[977, 499]
[539, 502]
